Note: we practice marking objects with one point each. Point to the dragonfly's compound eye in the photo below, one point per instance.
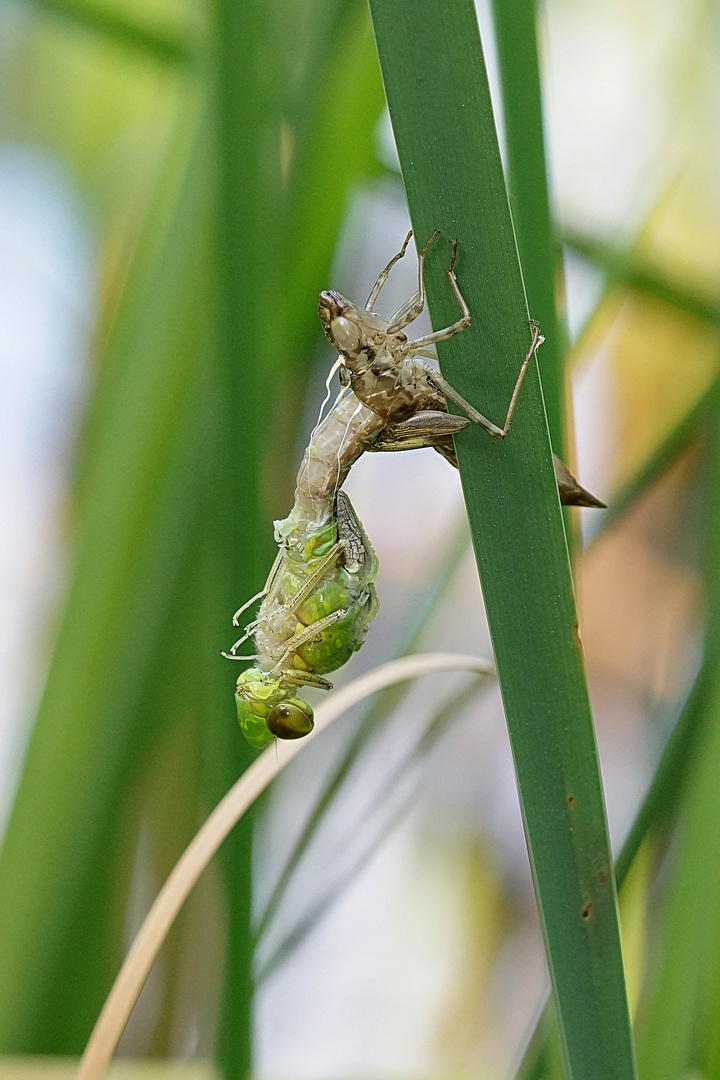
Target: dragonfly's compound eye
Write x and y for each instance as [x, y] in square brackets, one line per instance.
[345, 335]
[291, 720]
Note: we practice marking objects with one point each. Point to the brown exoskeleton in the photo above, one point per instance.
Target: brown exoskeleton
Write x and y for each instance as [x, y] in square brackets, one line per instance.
[388, 374]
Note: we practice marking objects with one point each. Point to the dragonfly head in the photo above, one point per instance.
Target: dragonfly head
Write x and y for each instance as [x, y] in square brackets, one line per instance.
[353, 331]
[266, 709]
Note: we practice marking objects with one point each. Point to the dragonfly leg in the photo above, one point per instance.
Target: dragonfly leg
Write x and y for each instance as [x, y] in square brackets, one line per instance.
[308, 633]
[414, 306]
[298, 598]
[372, 298]
[398, 320]
[306, 678]
[326, 563]
[263, 592]
[413, 347]
[470, 411]
[251, 628]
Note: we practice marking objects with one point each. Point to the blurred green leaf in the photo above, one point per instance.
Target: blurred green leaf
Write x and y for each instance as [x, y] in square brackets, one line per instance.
[628, 268]
[682, 996]
[137, 501]
[102, 20]
[173, 523]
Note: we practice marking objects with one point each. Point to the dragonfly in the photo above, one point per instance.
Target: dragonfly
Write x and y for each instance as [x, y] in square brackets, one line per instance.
[317, 605]
[389, 373]
[319, 599]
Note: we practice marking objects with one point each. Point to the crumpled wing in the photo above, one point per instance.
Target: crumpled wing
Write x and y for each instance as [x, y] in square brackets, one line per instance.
[428, 427]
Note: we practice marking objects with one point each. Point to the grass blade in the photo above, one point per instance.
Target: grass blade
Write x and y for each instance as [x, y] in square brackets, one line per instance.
[658, 808]
[538, 244]
[436, 86]
[137, 497]
[238, 549]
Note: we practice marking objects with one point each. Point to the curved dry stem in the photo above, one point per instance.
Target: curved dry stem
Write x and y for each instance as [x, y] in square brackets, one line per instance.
[136, 968]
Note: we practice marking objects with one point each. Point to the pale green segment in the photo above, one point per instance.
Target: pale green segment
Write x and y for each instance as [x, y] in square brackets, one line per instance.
[258, 692]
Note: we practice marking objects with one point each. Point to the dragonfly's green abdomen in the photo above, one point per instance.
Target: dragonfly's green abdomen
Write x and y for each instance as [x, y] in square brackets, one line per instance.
[335, 646]
[343, 638]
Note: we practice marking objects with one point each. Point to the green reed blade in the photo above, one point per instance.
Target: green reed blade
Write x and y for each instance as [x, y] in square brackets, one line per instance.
[538, 244]
[436, 87]
[137, 498]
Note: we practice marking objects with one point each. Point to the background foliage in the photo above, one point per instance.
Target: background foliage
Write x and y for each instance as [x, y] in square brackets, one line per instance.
[214, 154]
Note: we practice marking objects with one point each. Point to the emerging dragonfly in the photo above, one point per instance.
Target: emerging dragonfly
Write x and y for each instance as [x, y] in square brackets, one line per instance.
[320, 599]
[317, 605]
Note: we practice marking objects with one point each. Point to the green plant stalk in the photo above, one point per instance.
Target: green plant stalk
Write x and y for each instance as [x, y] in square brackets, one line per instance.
[538, 244]
[669, 1025]
[658, 808]
[238, 546]
[663, 799]
[436, 87]
[136, 496]
[273, 257]
[347, 84]
[340, 77]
